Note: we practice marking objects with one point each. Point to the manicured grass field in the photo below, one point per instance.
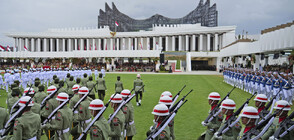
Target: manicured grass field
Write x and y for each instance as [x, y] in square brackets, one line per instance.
[188, 120]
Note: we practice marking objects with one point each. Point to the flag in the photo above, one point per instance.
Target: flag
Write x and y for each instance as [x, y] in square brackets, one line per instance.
[116, 24]
[113, 46]
[106, 46]
[2, 48]
[26, 49]
[78, 47]
[8, 49]
[95, 47]
[141, 46]
[90, 46]
[85, 47]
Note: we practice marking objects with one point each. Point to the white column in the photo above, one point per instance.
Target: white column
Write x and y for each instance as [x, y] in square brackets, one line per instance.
[148, 43]
[27, 43]
[200, 43]
[130, 44]
[82, 44]
[104, 43]
[117, 44]
[193, 43]
[216, 42]
[173, 43]
[63, 45]
[136, 43]
[124, 44]
[187, 43]
[69, 46]
[15, 44]
[93, 44]
[154, 43]
[51, 45]
[45, 45]
[160, 43]
[180, 43]
[20, 46]
[141, 41]
[111, 44]
[188, 62]
[166, 43]
[32, 44]
[39, 45]
[99, 44]
[57, 44]
[76, 44]
[88, 44]
[208, 42]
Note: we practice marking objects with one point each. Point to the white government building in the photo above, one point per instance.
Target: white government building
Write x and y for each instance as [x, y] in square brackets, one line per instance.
[201, 45]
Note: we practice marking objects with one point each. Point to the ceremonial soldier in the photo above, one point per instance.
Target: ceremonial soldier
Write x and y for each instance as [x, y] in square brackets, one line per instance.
[36, 107]
[62, 120]
[269, 85]
[262, 83]
[51, 104]
[103, 72]
[213, 125]
[166, 93]
[70, 84]
[11, 101]
[84, 80]
[53, 79]
[249, 117]
[128, 110]
[67, 77]
[3, 118]
[36, 84]
[117, 123]
[167, 100]
[78, 81]
[257, 83]
[252, 83]
[90, 84]
[138, 83]
[100, 129]
[13, 86]
[260, 101]
[75, 97]
[40, 95]
[27, 126]
[61, 86]
[281, 116]
[101, 87]
[83, 115]
[287, 92]
[277, 85]
[228, 107]
[118, 85]
[56, 82]
[160, 112]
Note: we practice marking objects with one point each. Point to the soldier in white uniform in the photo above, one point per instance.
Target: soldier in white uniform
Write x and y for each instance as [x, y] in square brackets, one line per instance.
[6, 78]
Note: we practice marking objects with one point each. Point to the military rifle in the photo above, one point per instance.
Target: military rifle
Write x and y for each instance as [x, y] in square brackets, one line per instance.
[10, 123]
[177, 96]
[260, 128]
[43, 103]
[165, 122]
[82, 99]
[84, 133]
[128, 99]
[14, 105]
[215, 111]
[179, 102]
[284, 126]
[233, 119]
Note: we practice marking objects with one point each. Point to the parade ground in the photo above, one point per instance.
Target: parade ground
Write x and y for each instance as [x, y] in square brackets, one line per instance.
[188, 119]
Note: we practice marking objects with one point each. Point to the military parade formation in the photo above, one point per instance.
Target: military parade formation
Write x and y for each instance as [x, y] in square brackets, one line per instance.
[62, 105]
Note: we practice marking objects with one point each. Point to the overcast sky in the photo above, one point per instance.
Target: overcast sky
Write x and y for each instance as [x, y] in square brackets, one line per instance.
[39, 15]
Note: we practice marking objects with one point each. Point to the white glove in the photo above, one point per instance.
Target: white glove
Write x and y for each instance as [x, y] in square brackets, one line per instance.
[204, 124]
[151, 127]
[218, 137]
[272, 138]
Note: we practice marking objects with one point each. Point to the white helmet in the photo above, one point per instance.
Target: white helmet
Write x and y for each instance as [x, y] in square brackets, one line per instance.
[27, 89]
[261, 98]
[167, 93]
[250, 112]
[62, 96]
[214, 96]
[83, 90]
[23, 100]
[166, 100]
[75, 87]
[282, 103]
[160, 110]
[125, 93]
[228, 104]
[51, 89]
[96, 104]
[138, 75]
[116, 99]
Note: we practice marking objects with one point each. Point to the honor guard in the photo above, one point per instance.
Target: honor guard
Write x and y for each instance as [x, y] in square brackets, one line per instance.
[100, 129]
[75, 98]
[70, 84]
[118, 85]
[40, 95]
[12, 100]
[27, 126]
[117, 123]
[62, 120]
[90, 84]
[167, 100]
[213, 125]
[160, 112]
[84, 80]
[3, 118]
[249, 116]
[281, 116]
[138, 83]
[128, 110]
[36, 107]
[101, 87]
[260, 101]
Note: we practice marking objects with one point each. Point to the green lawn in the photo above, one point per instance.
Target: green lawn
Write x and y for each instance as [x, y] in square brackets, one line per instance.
[188, 120]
